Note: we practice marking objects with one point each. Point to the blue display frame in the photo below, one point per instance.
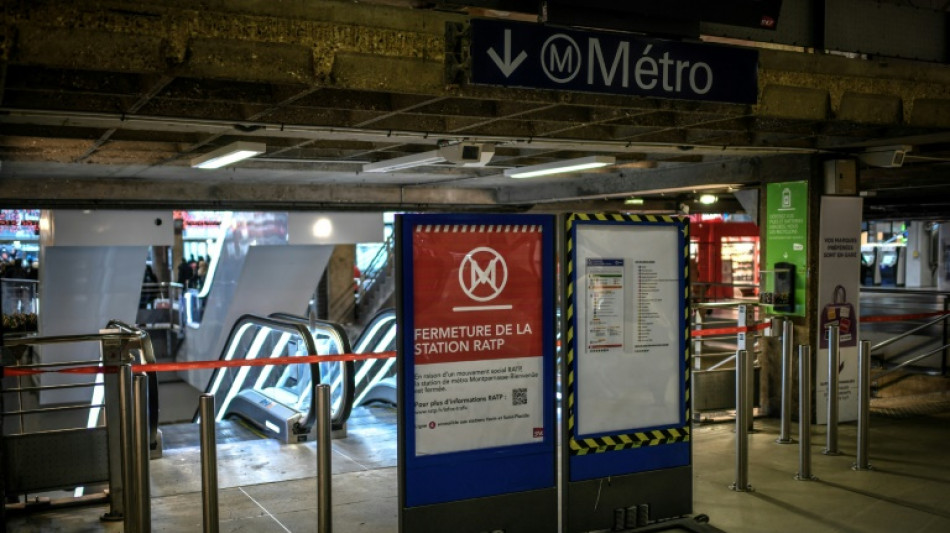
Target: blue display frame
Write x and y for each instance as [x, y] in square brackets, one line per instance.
[633, 450]
[456, 476]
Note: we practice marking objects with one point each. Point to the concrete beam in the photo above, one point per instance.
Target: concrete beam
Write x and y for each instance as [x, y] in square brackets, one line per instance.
[235, 60]
[126, 193]
[88, 49]
[931, 112]
[744, 171]
[871, 108]
[798, 103]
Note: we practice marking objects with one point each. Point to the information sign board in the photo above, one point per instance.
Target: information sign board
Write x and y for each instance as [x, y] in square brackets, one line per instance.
[520, 54]
[477, 357]
[839, 272]
[786, 240]
[626, 367]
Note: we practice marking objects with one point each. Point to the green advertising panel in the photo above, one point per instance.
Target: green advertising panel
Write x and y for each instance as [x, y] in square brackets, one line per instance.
[786, 239]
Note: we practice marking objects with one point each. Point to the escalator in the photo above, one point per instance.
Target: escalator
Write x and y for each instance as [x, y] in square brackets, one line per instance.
[278, 400]
[376, 378]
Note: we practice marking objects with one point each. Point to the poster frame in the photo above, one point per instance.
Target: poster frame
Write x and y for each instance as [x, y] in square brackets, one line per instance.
[649, 466]
[838, 215]
[489, 485]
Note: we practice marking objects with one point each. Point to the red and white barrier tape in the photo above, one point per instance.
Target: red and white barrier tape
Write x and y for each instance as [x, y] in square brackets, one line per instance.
[201, 365]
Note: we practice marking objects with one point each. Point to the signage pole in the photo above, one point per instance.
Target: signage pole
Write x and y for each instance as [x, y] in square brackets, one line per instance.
[786, 428]
[864, 405]
[831, 442]
[804, 414]
[742, 427]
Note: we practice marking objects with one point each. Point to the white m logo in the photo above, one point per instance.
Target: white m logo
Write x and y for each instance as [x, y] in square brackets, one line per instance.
[483, 274]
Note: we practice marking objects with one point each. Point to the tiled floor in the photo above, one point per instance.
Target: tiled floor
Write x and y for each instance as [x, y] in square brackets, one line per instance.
[269, 487]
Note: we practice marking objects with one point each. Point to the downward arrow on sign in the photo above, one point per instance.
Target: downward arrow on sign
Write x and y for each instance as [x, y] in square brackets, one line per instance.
[507, 66]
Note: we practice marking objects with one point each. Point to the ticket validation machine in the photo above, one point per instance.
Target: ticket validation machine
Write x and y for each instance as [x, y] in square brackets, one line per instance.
[627, 459]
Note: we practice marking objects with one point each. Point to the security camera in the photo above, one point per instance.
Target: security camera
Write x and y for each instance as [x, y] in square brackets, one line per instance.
[468, 154]
[885, 156]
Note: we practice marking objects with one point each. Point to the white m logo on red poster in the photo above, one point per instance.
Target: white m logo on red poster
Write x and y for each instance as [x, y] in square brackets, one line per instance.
[483, 274]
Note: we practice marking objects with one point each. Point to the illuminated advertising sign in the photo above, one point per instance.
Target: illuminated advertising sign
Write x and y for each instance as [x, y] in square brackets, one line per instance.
[20, 224]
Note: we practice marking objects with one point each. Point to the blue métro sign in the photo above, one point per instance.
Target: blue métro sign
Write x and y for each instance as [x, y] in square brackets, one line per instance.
[533, 56]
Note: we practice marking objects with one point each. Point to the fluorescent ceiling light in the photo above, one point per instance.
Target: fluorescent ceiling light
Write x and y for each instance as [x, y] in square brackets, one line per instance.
[633, 201]
[226, 155]
[407, 161]
[708, 199]
[558, 167]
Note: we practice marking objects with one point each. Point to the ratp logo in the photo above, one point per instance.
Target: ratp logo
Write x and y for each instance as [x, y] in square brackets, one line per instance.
[483, 274]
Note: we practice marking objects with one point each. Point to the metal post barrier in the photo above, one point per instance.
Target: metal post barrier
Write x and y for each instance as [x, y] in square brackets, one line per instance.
[742, 428]
[831, 442]
[946, 337]
[140, 450]
[744, 341]
[130, 518]
[804, 414]
[209, 464]
[324, 518]
[786, 426]
[864, 405]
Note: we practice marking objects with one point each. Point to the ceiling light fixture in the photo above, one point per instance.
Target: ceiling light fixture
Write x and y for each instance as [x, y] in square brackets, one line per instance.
[231, 153]
[558, 167]
[466, 154]
[407, 161]
[708, 199]
[633, 201]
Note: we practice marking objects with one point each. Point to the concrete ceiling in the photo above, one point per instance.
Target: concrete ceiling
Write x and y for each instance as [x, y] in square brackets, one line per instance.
[106, 103]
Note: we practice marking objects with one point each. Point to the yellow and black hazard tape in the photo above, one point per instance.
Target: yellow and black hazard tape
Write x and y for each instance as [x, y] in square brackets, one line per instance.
[626, 441]
[620, 217]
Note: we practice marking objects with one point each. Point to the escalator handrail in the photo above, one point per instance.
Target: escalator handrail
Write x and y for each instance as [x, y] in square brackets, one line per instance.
[298, 329]
[382, 313]
[349, 386]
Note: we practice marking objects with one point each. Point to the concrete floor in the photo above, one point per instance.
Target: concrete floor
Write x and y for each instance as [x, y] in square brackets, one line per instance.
[268, 487]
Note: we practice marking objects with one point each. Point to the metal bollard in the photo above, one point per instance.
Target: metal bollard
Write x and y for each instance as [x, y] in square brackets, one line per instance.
[140, 452]
[786, 425]
[804, 414]
[742, 427]
[113, 400]
[130, 518]
[745, 340]
[864, 405]
[209, 464]
[324, 518]
[831, 442]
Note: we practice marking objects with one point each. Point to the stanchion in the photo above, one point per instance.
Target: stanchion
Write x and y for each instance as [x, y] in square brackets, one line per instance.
[745, 340]
[140, 451]
[324, 517]
[130, 518]
[113, 400]
[209, 464]
[831, 442]
[864, 405]
[786, 425]
[804, 414]
[742, 428]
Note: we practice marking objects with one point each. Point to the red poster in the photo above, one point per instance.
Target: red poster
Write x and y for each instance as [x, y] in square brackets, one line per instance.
[477, 292]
